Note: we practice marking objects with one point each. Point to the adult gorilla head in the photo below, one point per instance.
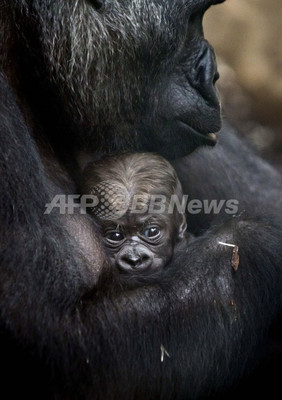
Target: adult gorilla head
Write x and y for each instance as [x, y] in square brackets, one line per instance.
[128, 74]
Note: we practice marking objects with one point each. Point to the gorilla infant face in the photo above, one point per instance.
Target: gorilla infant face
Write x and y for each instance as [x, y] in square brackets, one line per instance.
[139, 243]
[138, 226]
[133, 75]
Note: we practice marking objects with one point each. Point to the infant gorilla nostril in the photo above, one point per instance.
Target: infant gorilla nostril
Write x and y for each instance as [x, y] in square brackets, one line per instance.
[134, 260]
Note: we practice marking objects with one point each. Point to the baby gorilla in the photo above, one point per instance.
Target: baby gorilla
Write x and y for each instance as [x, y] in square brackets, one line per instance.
[139, 227]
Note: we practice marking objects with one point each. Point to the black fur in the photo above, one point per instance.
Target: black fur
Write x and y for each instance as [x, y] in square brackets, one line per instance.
[65, 335]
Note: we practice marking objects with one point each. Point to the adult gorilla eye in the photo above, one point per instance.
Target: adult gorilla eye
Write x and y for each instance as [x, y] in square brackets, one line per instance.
[152, 233]
[115, 236]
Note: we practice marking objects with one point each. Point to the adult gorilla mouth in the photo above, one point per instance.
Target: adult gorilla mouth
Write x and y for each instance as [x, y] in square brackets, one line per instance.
[176, 138]
[208, 138]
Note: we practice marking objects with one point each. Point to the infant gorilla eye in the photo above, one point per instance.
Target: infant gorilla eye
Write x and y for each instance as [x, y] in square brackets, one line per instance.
[115, 236]
[153, 232]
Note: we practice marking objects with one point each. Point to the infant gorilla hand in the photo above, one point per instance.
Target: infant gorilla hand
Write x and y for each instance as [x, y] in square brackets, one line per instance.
[139, 222]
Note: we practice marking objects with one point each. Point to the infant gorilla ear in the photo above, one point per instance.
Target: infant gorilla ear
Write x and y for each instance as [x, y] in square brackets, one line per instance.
[133, 205]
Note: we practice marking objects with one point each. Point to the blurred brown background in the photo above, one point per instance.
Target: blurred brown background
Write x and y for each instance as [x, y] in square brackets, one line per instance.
[247, 37]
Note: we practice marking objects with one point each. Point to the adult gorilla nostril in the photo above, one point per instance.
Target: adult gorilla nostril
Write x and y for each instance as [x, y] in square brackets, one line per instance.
[205, 74]
[216, 77]
[206, 65]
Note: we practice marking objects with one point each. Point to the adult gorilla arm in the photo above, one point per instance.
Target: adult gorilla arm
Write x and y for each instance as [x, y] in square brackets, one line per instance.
[232, 170]
[39, 267]
[78, 339]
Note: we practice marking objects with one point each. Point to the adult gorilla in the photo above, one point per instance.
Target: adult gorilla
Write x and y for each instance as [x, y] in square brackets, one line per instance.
[83, 78]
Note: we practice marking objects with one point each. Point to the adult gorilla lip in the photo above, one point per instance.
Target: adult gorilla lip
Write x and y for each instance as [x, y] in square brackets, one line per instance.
[212, 136]
[209, 138]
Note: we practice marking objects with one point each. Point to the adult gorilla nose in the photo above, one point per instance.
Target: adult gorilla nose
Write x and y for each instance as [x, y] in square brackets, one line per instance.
[205, 74]
[135, 259]
[216, 77]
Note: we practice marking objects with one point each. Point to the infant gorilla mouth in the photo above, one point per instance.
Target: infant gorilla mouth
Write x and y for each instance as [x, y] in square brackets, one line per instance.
[140, 228]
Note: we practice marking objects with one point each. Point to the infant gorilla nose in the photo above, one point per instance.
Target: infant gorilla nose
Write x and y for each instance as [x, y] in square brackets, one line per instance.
[134, 258]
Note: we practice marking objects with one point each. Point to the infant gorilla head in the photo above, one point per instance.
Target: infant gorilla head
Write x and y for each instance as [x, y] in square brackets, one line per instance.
[135, 197]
